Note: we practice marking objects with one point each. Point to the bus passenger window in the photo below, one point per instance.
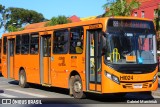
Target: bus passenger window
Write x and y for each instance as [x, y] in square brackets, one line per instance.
[4, 45]
[25, 44]
[76, 40]
[34, 45]
[18, 44]
[60, 41]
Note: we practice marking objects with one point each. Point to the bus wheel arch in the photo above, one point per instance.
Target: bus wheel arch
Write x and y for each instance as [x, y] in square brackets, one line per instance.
[22, 78]
[75, 85]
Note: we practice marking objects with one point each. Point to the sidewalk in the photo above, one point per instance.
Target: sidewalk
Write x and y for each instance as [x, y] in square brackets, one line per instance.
[157, 93]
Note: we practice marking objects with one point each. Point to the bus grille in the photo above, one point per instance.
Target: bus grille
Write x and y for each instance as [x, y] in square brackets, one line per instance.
[131, 86]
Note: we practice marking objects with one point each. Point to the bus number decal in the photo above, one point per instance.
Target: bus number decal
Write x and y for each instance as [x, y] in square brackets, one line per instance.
[62, 61]
[94, 26]
[126, 77]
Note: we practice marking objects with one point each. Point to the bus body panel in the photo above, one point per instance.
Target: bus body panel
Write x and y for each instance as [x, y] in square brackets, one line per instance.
[30, 63]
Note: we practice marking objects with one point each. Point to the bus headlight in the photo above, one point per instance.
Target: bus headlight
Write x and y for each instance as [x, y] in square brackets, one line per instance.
[155, 77]
[112, 77]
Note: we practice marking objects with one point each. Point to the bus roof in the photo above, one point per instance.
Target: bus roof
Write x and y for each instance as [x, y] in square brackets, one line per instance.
[63, 26]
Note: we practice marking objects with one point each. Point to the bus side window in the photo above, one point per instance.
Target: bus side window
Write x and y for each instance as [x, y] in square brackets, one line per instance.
[60, 45]
[18, 44]
[25, 44]
[34, 46]
[76, 40]
[4, 45]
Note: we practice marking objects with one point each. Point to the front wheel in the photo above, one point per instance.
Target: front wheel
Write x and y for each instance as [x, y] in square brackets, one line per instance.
[76, 87]
[22, 79]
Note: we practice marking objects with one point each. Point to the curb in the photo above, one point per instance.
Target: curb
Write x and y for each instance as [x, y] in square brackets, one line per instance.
[157, 93]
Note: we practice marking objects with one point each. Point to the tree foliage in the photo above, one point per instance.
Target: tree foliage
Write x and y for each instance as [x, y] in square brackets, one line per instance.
[2, 13]
[20, 16]
[157, 20]
[58, 20]
[120, 7]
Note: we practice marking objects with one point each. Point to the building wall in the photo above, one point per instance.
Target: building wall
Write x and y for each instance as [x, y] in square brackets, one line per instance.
[148, 7]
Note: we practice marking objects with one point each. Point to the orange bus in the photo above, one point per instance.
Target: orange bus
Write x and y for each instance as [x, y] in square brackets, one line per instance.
[103, 55]
[0, 54]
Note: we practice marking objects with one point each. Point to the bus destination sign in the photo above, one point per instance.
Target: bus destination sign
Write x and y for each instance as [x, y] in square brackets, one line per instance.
[130, 24]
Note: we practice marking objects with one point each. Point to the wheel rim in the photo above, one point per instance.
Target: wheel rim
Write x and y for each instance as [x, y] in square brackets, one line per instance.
[77, 86]
[22, 79]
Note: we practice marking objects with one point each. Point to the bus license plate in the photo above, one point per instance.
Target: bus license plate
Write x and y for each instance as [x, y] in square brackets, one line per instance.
[137, 86]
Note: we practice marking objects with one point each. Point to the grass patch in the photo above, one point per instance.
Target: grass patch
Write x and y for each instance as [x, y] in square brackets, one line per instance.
[158, 74]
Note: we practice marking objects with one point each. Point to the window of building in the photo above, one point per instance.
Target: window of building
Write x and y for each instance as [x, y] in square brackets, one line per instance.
[142, 14]
[18, 44]
[155, 13]
[4, 45]
[34, 46]
[60, 44]
[76, 40]
[25, 44]
[135, 14]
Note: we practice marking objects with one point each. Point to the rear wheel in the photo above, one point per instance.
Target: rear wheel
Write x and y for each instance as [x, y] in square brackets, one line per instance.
[76, 87]
[22, 79]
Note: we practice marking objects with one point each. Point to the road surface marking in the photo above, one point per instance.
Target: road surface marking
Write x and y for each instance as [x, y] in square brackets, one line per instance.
[27, 93]
[4, 85]
[155, 96]
[7, 95]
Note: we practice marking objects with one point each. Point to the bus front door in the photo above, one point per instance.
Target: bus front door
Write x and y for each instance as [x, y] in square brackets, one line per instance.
[94, 60]
[45, 54]
[10, 58]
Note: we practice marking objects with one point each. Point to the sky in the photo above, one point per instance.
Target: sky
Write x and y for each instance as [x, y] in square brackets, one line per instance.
[50, 8]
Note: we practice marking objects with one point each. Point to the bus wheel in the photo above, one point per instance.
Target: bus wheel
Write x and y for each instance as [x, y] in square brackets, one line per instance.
[22, 79]
[76, 87]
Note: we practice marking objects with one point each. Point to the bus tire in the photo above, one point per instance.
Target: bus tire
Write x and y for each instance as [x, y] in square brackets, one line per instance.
[22, 79]
[76, 87]
[70, 86]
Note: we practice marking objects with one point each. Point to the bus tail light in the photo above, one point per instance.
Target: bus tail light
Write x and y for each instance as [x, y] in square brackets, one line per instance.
[155, 77]
[112, 77]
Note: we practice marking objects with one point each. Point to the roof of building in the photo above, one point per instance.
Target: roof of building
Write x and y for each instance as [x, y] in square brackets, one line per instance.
[73, 18]
[88, 18]
[35, 25]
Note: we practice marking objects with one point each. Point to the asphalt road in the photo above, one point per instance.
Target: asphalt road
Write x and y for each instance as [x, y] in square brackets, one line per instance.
[53, 95]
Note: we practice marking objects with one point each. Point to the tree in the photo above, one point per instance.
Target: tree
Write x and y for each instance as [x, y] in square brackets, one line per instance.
[22, 17]
[157, 19]
[58, 20]
[2, 16]
[120, 7]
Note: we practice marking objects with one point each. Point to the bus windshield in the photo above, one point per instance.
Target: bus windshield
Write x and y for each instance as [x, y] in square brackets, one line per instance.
[128, 45]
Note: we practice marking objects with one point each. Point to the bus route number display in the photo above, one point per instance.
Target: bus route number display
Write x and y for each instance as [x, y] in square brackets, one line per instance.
[129, 24]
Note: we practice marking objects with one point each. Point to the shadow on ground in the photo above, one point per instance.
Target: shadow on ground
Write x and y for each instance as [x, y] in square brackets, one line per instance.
[91, 98]
[1, 75]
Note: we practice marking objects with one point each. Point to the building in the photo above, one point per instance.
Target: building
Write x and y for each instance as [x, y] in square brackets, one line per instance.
[73, 18]
[147, 9]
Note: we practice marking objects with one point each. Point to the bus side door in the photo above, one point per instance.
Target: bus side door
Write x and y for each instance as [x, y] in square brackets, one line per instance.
[94, 60]
[45, 54]
[10, 58]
